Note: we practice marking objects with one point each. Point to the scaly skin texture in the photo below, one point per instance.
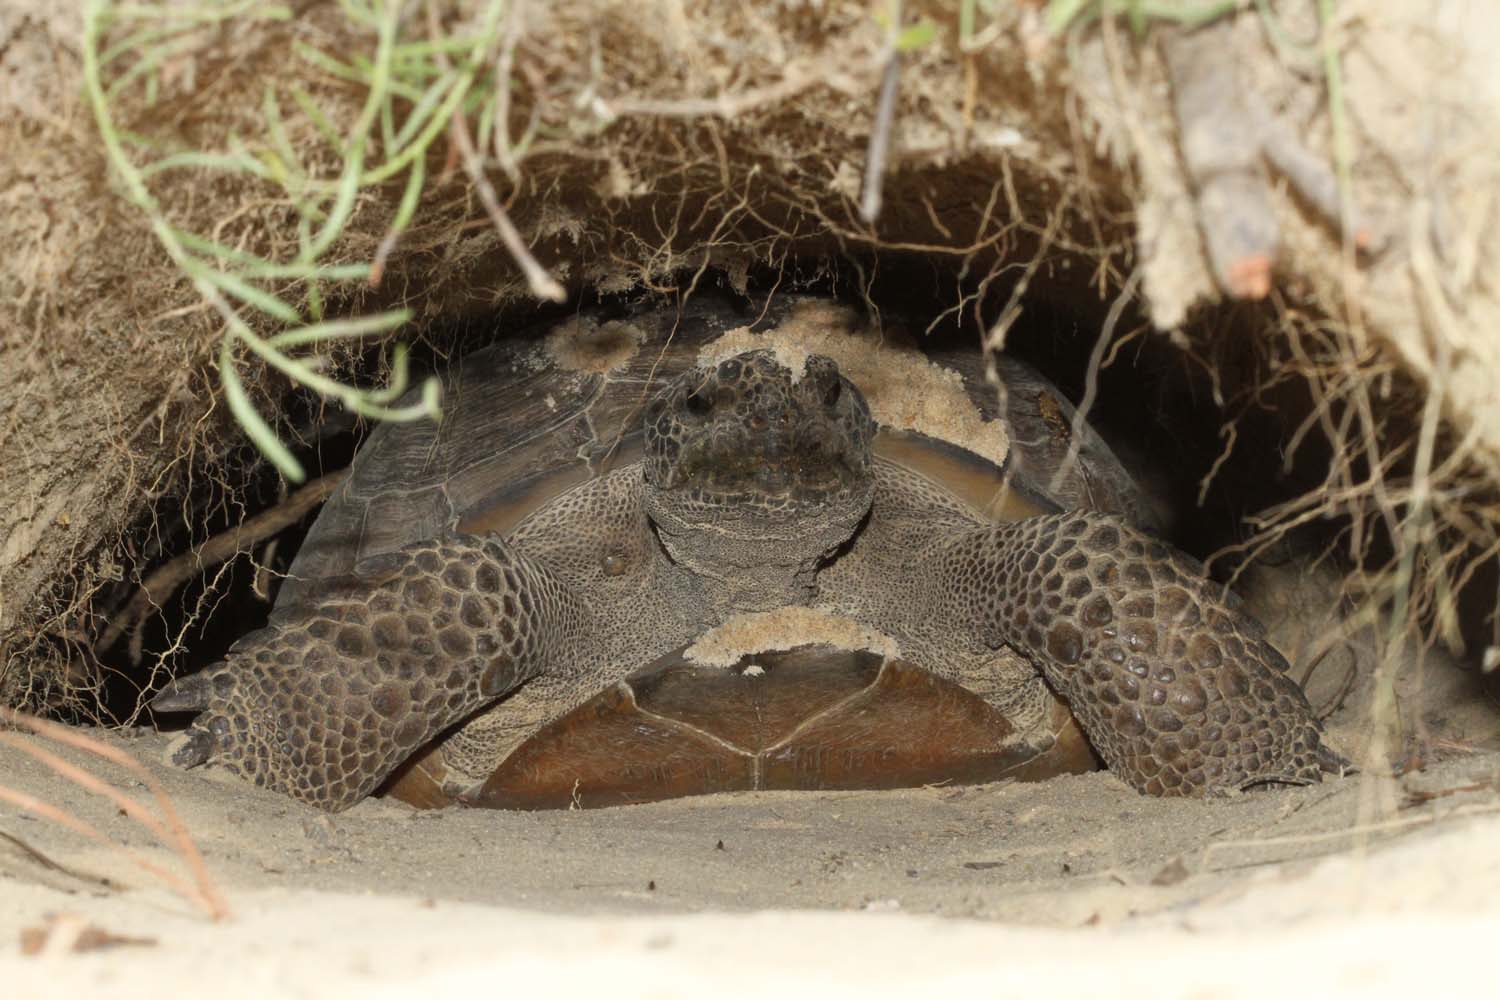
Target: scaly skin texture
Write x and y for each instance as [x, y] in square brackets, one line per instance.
[325, 701]
[1177, 691]
[758, 491]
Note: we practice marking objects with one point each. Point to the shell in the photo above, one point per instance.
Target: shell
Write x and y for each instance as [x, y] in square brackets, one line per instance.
[535, 415]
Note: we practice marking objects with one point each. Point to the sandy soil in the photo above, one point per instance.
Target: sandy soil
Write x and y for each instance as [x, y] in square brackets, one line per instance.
[1351, 886]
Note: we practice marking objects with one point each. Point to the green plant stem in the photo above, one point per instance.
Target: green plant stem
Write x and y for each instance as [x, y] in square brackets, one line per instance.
[1343, 147]
[232, 272]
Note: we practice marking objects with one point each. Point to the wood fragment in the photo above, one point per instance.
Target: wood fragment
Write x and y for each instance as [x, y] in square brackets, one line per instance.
[1221, 153]
[65, 932]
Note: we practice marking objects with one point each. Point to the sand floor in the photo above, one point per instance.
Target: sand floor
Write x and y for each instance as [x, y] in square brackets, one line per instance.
[1075, 884]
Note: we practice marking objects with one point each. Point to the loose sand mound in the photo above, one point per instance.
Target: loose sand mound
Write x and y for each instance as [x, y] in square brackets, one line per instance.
[1074, 885]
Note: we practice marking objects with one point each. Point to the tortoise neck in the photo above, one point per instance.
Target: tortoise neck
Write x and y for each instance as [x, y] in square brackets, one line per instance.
[762, 588]
[745, 574]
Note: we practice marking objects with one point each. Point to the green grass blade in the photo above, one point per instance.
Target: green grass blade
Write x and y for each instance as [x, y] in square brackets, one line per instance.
[228, 162]
[206, 14]
[409, 198]
[227, 277]
[335, 329]
[234, 285]
[256, 428]
[422, 110]
[280, 141]
[317, 116]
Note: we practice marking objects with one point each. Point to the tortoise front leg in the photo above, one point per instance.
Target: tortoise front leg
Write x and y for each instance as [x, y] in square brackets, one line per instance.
[1179, 692]
[326, 700]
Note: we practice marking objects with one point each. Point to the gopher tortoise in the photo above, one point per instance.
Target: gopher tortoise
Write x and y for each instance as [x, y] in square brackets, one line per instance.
[684, 550]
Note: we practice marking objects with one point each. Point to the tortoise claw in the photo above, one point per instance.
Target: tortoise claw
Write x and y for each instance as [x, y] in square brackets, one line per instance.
[1175, 685]
[322, 704]
[196, 750]
[186, 694]
[1333, 763]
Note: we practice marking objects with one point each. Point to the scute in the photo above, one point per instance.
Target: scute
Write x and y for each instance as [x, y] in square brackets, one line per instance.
[814, 717]
[520, 428]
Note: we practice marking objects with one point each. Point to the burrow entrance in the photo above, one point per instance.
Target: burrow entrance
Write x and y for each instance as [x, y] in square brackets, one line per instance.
[1212, 423]
[1068, 851]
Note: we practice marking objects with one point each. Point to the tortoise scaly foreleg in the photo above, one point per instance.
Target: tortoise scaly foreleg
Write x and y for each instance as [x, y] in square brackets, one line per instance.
[326, 700]
[1178, 691]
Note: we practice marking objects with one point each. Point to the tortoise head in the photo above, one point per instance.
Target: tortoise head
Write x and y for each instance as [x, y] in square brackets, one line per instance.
[755, 472]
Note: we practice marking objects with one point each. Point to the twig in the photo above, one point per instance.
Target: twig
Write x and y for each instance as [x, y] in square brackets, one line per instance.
[1091, 381]
[542, 284]
[509, 35]
[165, 579]
[880, 140]
[43, 861]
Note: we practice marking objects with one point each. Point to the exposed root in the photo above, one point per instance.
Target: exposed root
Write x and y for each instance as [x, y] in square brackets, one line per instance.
[167, 578]
[1091, 377]
[542, 284]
